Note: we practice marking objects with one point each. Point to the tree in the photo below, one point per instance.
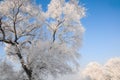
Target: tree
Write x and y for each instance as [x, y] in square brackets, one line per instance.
[109, 71]
[42, 42]
[93, 71]
[5, 71]
[112, 69]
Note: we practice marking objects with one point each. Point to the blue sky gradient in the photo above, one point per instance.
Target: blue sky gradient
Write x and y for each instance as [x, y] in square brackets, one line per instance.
[102, 23]
[102, 37]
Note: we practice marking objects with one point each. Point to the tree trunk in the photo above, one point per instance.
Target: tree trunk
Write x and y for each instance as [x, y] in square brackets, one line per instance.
[25, 68]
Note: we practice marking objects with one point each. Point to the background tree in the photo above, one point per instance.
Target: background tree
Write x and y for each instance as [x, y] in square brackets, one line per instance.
[41, 42]
[108, 71]
[92, 70]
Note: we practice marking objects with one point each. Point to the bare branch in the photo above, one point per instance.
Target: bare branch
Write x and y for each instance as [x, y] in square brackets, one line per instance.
[14, 22]
[57, 27]
[59, 23]
[3, 33]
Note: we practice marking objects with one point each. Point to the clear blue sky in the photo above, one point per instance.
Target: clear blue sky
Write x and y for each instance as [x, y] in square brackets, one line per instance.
[102, 36]
[102, 23]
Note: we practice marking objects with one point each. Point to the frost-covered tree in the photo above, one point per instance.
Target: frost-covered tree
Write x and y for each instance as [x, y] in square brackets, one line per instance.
[6, 71]
[42, 42]
[93, 71]
[108, 71]
[112, 69]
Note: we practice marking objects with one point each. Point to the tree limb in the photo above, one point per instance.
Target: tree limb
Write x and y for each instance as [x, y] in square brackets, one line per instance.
[57, 27]
[3, 33]
[14, 22]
